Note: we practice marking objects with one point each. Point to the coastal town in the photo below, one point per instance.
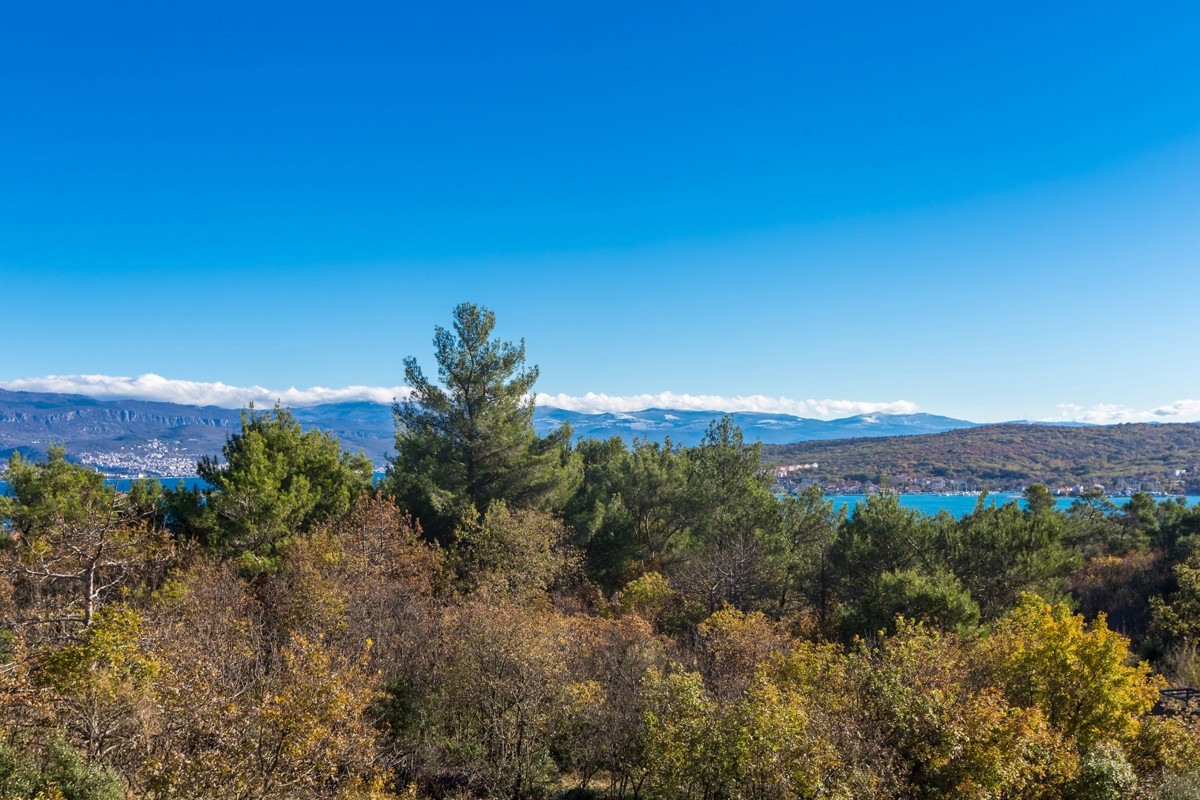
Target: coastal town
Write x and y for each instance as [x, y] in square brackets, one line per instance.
[155, 458]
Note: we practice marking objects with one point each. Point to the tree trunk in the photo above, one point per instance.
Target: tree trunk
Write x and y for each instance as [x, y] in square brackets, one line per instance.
[89, 596]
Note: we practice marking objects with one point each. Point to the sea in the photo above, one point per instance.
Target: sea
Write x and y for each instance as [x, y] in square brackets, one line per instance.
[960, 504]
[122, 484]
[956, 504]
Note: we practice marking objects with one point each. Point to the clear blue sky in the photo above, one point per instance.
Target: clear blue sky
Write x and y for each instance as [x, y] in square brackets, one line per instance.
[984, 209]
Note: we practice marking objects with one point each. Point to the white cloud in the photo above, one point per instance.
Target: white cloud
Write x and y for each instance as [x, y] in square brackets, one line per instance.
[157, 388]
[592, 403]
[1111, 414]
[1180, 408]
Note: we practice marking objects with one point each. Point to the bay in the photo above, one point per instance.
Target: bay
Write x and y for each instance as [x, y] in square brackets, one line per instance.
[958, 504]
[123, 484]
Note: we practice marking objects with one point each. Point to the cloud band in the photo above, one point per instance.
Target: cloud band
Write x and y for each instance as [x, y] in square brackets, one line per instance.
[157, 388]
[1112, 414]
[194, 393]
[592, 403]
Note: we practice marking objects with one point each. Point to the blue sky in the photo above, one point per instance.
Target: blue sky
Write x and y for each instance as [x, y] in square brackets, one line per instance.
[987, 211]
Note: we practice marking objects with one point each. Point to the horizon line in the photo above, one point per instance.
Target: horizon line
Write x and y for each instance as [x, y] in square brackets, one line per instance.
[150, 387]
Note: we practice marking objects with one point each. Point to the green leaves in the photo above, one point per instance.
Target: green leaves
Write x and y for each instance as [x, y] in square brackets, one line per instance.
[938, 599]
[51, 770]
[77, 541]
[51, 492]
[470, 440]
[276, 481]
[1178, 617]
[998, 552]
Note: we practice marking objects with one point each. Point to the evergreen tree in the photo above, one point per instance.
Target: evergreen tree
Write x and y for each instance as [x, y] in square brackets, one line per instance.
[634, 509]
[470, 440]
[50, 491]
[730, 489]
[275, 481]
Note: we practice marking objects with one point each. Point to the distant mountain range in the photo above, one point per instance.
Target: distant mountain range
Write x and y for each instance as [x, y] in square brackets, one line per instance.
[132, 436]
[687, 427]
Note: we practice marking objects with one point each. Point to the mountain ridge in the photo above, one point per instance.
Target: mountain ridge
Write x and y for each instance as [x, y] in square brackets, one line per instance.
[129, 435]
[688, 427]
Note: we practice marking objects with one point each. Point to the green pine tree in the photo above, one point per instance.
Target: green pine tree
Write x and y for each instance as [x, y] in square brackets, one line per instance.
[470, 440]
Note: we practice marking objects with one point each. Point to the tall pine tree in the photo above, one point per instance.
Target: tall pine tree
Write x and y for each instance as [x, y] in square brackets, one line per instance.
[469, 439]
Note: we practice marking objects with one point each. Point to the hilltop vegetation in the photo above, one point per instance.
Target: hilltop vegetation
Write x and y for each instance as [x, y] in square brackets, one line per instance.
[514, 615]
[1003, 456]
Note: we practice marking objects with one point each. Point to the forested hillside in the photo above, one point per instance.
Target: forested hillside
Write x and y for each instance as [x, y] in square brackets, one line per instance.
[1008, 455]
[525, 616]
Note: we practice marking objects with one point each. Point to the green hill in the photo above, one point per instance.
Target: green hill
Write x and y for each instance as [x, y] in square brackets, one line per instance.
[1004, 456]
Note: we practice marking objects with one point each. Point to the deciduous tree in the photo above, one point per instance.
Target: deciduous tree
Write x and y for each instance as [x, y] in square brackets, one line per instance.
[1047, 657]
[72, 542]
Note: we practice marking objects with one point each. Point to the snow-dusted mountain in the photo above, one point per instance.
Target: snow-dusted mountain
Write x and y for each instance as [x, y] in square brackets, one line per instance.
[687, 427]
[131, 436]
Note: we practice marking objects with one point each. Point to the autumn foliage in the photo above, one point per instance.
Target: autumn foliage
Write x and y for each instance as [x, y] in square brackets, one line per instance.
[373, 663]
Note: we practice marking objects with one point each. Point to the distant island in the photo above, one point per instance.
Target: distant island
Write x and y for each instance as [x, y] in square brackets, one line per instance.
[1118, 458]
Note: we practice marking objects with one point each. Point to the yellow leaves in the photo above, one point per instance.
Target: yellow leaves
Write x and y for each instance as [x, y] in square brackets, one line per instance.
[512, 553]
[582, 696]
[962, 739]
[312, 716]
[650, 595]
[243, 709]
[1165, 745]
[680, 739]
[734, 644]
[762, 745]
[108, 656]
[223, 688]
[731, 631]
[810, 667]
[503, 690]
[36, 549]
[1047, 657]
[652, 598]
[777, 752]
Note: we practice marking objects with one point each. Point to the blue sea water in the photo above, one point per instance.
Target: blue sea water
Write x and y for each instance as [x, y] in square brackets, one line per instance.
[122, 484]
[168, 483]
[958, 505]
